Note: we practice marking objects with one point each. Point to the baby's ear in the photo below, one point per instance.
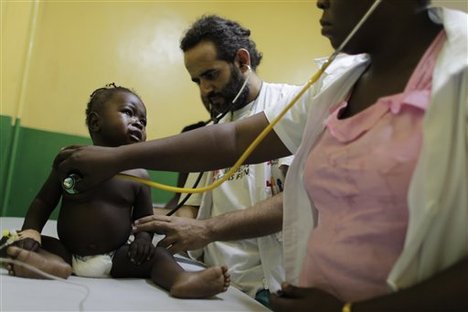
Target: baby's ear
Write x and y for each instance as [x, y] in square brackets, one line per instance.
[94, 122]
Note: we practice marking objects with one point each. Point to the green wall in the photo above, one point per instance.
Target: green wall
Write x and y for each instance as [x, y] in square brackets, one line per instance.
[6, 131]
[36, 151]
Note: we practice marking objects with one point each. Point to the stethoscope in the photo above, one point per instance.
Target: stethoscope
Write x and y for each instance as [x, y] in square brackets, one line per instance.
[70, 182]
[72, 179]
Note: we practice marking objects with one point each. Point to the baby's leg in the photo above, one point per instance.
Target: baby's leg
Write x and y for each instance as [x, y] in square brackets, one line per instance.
[201, 284]
[167, 273]
[123, 267]
[42, 260]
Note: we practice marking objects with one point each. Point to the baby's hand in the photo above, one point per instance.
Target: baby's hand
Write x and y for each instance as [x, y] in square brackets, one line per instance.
[140, 250]
[28, 244]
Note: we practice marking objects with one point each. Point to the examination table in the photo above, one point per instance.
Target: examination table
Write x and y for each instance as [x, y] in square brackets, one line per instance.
[106, 294]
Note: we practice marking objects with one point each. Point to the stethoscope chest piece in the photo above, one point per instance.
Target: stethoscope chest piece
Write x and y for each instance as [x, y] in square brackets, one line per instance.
[69, 183]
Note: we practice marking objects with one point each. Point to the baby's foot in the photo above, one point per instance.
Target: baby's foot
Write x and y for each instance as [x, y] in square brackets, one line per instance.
[202, 284]
[42, 260]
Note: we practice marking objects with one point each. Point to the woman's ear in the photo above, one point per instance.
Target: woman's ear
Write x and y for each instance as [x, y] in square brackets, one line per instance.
[94, 122]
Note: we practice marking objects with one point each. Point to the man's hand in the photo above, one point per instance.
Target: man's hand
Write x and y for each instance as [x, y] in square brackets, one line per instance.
[181, 233]
[304, 299]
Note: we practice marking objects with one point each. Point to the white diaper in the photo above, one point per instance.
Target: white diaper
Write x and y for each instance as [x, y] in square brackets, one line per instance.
[92, 266]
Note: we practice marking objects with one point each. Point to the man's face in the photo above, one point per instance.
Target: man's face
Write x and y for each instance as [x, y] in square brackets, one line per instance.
[218, 80]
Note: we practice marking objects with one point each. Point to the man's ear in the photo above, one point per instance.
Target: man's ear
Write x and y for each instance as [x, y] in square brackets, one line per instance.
[243, 59]
[94, 122]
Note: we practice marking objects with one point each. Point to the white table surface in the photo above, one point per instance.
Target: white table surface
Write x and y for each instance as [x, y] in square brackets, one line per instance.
[21, 294]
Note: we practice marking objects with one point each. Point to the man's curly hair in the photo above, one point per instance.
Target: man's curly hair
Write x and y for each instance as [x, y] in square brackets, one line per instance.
[228, 37]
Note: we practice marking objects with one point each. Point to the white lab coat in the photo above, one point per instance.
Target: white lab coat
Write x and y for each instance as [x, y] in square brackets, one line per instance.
[261, 266]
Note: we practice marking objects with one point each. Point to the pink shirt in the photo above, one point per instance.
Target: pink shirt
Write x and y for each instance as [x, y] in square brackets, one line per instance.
[358, 176]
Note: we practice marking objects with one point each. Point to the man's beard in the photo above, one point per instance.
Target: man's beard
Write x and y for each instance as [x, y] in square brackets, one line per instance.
[228, 94]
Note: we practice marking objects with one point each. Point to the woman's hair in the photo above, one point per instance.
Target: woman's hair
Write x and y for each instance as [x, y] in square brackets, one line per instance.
[101, 95]
[228, 37]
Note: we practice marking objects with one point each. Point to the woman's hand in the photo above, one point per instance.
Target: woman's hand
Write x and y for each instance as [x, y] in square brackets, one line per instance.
[294, 298]
[93, 163]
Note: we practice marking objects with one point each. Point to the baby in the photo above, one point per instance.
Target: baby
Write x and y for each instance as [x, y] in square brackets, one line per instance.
[94, 226]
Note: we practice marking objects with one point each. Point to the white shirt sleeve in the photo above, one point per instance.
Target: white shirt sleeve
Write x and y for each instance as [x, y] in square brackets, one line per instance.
[289, 129]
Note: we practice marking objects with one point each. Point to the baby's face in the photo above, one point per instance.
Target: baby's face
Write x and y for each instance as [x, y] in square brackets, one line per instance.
[123, 120]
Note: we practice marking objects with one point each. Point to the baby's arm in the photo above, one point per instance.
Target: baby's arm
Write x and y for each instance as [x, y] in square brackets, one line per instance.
[141, 249]
[39, 211]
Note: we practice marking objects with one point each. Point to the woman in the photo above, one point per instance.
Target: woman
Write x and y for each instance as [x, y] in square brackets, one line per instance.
[377, 195]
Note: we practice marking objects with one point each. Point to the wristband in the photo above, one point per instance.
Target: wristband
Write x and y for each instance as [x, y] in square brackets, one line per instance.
[346, 307]
[30, 233]
[8, 238]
